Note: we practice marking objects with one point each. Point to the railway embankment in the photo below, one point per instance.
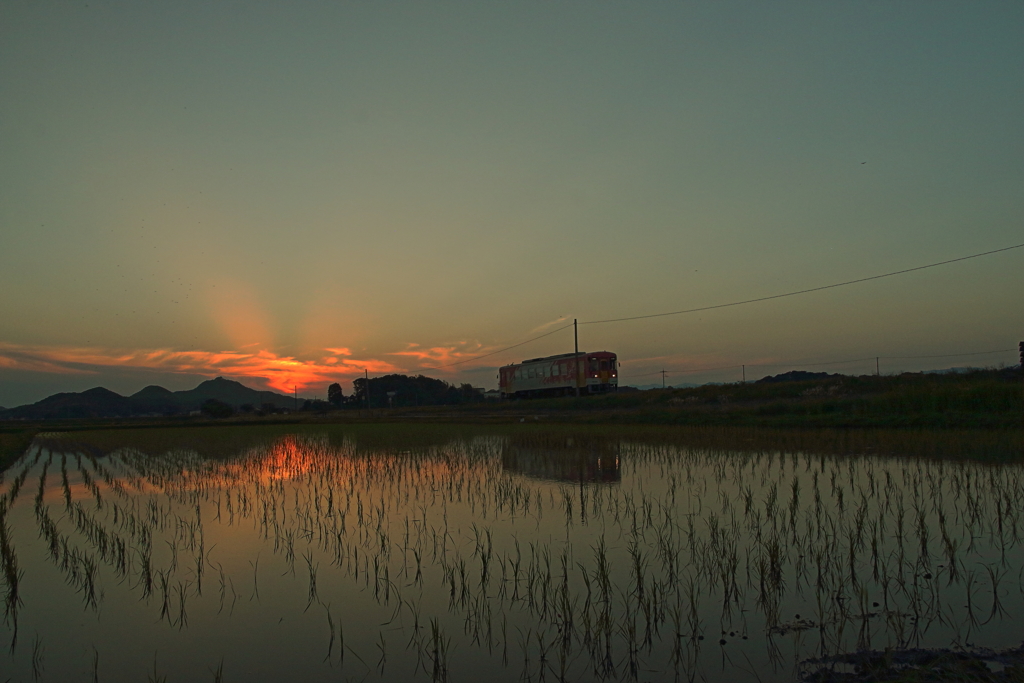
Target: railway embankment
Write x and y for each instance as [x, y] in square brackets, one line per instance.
[988, 399]
[981, 399]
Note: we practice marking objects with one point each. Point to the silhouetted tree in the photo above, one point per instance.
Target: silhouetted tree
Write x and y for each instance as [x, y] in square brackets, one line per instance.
[316, 405]
[410, 391]
[214, 408]
[335, 396]
[470, 394]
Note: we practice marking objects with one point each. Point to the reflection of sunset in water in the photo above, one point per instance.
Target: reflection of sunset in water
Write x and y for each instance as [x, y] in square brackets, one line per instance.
[286, 459]
[296, 458]
[400, 543]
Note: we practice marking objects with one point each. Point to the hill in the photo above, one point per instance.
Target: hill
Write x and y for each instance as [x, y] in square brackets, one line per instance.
[796, 376]
[97, 402]
[230, 392]
[153, 400]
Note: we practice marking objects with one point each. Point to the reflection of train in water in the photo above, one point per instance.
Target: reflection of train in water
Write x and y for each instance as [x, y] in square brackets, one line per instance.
[580, 466]
[559, 375]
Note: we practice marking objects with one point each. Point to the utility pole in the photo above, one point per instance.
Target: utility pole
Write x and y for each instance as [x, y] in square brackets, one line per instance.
[877, 373]
[576, 341]
[366, 375]
[663, 378]
[744, 373]
[295, 389]
[1020, 347]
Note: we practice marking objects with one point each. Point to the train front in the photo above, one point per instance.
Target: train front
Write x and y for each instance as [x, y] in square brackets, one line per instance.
[602, 372]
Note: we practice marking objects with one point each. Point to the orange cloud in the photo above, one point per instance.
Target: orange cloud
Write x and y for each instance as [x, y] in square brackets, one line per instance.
[280, 373]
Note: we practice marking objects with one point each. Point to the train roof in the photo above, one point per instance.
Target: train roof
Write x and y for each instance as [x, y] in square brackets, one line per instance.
[560, 356]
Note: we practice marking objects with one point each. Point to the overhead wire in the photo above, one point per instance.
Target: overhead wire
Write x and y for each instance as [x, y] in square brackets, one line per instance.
[737, 303]
[507, 348]
[950, 355]
[688, 371]
[801, 291]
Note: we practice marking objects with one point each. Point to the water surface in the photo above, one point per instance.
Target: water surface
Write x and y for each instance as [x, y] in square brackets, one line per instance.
[394, 553]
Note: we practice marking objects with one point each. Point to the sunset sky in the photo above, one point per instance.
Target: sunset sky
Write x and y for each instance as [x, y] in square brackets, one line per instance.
[287, 194]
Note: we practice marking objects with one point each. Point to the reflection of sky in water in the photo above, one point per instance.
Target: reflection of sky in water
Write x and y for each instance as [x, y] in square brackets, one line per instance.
[311, 560]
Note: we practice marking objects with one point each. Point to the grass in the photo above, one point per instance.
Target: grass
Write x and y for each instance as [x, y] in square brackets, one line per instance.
[13, 442]
[979, 399]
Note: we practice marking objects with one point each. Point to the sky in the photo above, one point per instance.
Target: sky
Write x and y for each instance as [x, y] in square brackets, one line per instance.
[292, 194]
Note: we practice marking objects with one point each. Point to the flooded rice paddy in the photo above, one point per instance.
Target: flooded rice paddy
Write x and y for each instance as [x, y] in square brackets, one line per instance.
[374, 554]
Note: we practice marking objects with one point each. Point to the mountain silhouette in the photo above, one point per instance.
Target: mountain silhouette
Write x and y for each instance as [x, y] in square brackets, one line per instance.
[230, 392]
[153, 400]
[795, 376]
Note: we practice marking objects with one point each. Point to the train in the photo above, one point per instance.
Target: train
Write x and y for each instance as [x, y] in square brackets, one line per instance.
[597, 373]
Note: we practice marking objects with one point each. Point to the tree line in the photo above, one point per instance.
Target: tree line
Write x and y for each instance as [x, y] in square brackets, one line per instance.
[396, 391]
[402, 391]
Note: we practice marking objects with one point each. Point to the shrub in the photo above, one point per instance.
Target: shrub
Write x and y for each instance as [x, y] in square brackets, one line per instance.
[217, 409]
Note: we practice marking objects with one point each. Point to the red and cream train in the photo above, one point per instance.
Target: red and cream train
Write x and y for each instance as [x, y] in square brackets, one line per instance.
[597, 373]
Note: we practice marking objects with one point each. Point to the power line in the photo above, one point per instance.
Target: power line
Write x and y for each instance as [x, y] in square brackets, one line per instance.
[831, 362]
[802, 291]
[735, 303]
[950, 355]
[835, 362]
[507, 348]
[684, 372]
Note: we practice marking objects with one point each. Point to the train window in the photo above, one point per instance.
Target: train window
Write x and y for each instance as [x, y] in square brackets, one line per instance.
[563, 369]
[604, 366]
[593, 365]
